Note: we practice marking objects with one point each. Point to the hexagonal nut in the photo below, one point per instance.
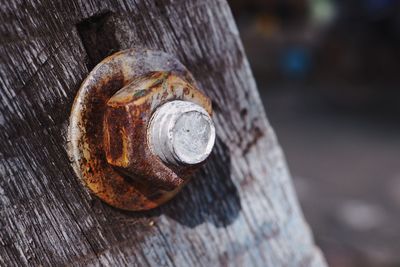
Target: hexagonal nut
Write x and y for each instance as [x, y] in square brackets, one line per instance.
[125, 128]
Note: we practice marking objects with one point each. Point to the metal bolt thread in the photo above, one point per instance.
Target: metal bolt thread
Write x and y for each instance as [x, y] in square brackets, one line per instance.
[181, 133]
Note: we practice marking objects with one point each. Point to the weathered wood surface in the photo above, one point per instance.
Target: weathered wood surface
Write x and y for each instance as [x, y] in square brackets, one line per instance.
[240, 210]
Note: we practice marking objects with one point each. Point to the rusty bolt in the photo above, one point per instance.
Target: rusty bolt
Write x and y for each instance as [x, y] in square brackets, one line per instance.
[139, 129]
[181, 133]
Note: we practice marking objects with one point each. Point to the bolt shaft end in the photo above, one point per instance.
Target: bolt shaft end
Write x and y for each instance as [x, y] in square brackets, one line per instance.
[181, 133]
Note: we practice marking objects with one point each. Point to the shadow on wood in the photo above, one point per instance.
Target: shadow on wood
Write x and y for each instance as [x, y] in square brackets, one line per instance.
[211, 196]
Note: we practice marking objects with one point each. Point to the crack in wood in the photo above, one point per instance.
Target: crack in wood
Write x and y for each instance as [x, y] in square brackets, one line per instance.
[98, 35]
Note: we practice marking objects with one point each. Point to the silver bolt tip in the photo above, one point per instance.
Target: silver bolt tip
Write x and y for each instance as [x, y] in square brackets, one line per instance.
[181, 133]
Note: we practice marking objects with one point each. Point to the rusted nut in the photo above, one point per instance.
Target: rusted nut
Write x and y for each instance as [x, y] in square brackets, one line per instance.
[126, 124]
[128, 138]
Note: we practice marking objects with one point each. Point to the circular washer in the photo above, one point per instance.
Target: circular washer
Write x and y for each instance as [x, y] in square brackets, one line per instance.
[85, 132]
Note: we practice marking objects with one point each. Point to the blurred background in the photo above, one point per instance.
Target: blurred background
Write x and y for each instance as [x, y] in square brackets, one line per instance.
[328, 72]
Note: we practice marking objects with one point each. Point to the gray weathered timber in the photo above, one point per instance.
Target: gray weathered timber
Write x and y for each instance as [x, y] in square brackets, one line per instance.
[240, 210]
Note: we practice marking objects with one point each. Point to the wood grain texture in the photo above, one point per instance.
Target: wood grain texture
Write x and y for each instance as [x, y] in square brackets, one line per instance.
[240, 210]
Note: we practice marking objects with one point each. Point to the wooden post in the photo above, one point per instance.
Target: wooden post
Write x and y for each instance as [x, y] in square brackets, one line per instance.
[240, 209]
